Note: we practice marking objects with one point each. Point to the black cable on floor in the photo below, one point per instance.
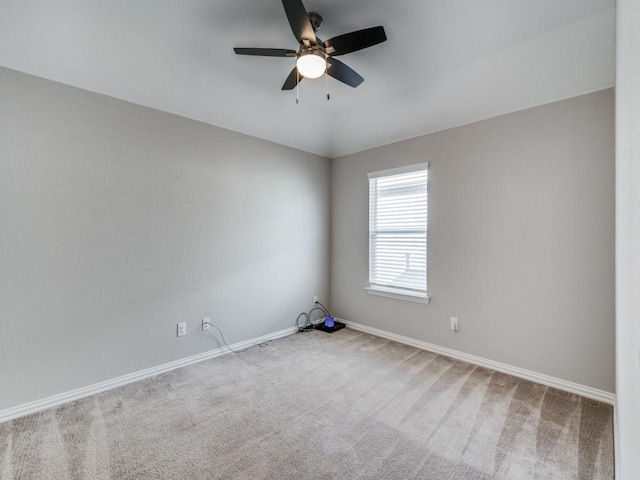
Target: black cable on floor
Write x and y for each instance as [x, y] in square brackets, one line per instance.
[222, 335]
[309, 325]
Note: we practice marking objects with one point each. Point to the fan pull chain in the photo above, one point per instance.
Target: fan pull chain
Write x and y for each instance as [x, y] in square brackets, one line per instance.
[326, 83]
[297, 85]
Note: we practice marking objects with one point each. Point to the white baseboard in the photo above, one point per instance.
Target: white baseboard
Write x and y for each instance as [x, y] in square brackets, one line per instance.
[33, 407]
[38, 405]
[582, 390]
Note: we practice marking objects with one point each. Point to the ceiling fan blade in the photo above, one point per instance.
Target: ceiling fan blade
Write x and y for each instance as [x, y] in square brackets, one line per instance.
[299, 21]
[341, 72]
[354, 41]
[266, 52]
[292, 80]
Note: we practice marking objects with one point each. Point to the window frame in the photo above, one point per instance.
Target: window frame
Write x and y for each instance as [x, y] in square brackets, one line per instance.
[397, 292]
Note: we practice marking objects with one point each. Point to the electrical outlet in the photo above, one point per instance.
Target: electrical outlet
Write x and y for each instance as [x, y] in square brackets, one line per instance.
[454, 324]
[205, 324]
[182, 329]
[315, 299]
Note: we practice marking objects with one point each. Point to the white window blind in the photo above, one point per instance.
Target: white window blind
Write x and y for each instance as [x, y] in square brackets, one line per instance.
[398, 229]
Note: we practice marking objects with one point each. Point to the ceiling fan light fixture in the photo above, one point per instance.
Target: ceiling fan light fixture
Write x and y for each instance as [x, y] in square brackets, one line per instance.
[311, 64]
[314, 57]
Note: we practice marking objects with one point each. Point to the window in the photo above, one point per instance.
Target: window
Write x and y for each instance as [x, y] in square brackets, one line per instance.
[398, 233]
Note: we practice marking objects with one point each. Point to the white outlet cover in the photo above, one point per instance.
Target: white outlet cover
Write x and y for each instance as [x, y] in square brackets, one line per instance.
[205, 323]
[182, 329]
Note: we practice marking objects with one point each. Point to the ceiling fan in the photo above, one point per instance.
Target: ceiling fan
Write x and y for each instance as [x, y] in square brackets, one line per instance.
[315, 57]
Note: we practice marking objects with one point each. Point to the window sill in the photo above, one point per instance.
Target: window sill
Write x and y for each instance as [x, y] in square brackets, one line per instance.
[398, 294]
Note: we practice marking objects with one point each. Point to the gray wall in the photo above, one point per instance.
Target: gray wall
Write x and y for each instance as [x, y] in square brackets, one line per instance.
[118, 221]
[521, 239]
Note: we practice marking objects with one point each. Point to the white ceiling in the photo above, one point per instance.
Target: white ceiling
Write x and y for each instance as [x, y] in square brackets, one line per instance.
[445, 63]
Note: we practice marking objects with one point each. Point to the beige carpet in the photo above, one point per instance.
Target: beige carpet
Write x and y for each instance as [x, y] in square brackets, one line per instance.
[318, 406]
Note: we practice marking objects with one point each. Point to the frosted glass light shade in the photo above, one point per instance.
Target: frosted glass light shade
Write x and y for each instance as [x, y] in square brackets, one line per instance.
[311, 65]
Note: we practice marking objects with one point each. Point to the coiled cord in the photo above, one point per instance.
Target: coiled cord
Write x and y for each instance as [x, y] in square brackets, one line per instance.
[309, 324]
